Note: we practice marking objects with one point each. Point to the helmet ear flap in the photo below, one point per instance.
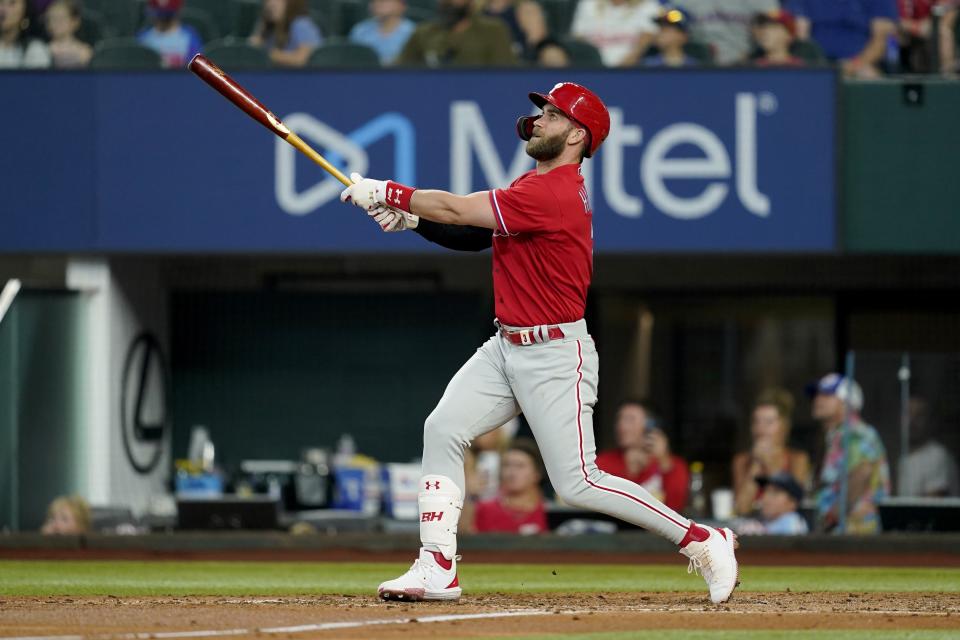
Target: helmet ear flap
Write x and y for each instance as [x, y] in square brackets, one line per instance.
[525, 127]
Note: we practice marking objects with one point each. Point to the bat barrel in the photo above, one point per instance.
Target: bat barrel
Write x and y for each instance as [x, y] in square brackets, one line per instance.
[209, 72]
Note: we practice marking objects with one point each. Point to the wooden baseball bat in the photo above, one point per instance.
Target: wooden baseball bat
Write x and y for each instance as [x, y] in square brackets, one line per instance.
[214, 76]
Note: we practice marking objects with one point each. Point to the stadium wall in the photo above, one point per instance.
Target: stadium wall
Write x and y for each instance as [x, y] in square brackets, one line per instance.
[160, 194]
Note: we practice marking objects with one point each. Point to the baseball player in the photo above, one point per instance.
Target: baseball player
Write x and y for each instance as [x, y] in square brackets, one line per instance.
[541, 361]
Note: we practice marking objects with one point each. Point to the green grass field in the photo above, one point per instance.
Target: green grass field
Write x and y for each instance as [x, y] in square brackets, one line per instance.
[742, 634]
[129, 578]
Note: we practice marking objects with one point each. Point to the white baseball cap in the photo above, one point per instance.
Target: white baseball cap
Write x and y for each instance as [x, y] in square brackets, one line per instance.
[835, 384]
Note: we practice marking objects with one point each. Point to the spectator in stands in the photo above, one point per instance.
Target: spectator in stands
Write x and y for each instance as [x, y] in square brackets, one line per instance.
[18, 50]
[949, 65]
[174, 41]
[287, 32]
[643, 455]
[67, 515]
[775, 32]
[868, 475]
[459, 37]
[917, 39]
[63, 21]
[769, 454]
[519, 506]
[725, 25]
[929, 471]
[481, 469]
[551, 54]
[915, 28]
[524, 18]
[621, 30]
[386, 31]
[855, 33]
[670, 41]
[779, 506]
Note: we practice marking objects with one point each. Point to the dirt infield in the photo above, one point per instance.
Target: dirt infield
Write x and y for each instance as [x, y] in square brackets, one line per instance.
[356, 616]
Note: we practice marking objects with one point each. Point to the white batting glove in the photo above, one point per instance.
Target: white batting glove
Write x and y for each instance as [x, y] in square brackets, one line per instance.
[365, 192]
[391, 219]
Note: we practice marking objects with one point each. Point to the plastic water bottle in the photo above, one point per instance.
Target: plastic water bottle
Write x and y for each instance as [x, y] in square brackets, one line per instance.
[346, 449]
[698, 497]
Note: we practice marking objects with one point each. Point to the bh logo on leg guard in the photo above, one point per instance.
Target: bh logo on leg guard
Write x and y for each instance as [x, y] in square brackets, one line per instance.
[440, 502]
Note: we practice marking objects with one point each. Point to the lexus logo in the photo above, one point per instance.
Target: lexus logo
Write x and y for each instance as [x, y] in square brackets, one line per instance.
[144, 418]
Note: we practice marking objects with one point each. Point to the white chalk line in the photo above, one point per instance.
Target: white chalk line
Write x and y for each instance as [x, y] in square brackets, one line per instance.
[321, 626]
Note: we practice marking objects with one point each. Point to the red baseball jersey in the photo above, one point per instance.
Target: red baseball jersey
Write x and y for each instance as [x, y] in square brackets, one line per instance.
[674, 485]
[542, 248]
[492, 516]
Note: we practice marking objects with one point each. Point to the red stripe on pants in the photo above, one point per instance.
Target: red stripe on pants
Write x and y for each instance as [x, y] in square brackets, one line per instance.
[583, 462]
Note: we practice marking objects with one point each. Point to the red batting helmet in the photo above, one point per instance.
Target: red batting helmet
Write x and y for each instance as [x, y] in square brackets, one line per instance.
[577, 103]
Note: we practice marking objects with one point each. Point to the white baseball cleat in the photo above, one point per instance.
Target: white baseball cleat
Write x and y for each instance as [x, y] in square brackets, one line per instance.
[714, 559]
[432, 577]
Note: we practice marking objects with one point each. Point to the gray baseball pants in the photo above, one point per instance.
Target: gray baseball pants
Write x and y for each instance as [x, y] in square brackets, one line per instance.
[554, 385]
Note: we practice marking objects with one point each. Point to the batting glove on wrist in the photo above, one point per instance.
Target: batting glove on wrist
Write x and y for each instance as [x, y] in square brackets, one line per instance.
[391, 219]
[365, 193]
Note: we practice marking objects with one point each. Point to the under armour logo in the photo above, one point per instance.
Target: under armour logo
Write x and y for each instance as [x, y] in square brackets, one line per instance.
[435, 483]
[431, 516]
[395, 197]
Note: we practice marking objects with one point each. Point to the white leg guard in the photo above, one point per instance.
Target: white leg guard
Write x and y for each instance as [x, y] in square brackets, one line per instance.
[440, 502]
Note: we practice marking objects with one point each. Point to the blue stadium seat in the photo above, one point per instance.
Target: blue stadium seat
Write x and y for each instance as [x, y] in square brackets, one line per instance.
[124, 53]
[219, 15]
[582, 54]
[93, 28]
[202, 22]
[808, 51]
[246, 13]
[235, 53]
[120, 18]
[559, 16]
[344, 55]
[350, 12]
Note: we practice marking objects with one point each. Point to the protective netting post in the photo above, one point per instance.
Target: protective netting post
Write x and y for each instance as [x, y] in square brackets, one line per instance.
[845, 444]
[903, 375]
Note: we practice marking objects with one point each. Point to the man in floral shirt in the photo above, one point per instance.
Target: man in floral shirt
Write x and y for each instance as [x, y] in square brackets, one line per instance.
[868, 475]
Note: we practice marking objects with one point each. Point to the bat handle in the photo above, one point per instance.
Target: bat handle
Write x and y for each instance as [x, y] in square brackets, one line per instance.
[307, 150]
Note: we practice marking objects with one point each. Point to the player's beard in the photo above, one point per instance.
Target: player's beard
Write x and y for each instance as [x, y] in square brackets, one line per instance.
[544, 149]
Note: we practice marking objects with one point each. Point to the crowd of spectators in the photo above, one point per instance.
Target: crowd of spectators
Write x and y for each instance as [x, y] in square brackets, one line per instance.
[776, 489]
[864, 38]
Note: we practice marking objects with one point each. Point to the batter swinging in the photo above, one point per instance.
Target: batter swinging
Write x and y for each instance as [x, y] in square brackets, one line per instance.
[541, 361]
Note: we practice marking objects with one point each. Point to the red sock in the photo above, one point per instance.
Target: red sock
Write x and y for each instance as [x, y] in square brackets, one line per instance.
[695, 533]
[443, 562]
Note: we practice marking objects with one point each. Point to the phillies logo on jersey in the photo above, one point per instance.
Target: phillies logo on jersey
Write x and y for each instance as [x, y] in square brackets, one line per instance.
[431, 516]
[435, 483]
